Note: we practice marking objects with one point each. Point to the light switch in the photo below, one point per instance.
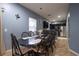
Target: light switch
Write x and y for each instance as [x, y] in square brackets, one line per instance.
[5, 30]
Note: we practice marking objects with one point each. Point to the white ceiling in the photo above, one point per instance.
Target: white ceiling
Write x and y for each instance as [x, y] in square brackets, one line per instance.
[52, 9]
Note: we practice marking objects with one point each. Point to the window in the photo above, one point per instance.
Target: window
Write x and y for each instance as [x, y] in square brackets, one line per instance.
[32, 24]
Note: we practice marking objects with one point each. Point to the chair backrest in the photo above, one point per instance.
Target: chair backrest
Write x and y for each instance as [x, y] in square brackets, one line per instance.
[52, 37]
[45, 33]
[15, 46]
[49, 38]
[37, 33]
[53, 33]
[31, 33]
[24, 34]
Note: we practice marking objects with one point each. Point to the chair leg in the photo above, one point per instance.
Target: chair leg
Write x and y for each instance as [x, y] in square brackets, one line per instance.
[12, 53]
[54, 46]
[47, 51]
[52, 49]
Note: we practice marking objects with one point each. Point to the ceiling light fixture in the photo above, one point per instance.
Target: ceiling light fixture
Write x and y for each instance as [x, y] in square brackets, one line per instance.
[49, 15]
[40, 8]
[53, 20]
[17, 16]
[59, 16]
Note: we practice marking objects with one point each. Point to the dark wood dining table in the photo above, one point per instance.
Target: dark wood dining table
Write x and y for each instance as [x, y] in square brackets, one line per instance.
[25, 41]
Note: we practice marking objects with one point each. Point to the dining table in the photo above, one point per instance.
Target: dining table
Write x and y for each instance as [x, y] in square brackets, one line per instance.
[29, 41]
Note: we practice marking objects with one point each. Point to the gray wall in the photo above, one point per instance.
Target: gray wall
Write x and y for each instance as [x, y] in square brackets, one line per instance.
[17, 26]
[74, 27]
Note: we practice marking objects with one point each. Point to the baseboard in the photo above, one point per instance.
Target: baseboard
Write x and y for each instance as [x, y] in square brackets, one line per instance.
[62, 38]
[9, 50]
[8, 53]
[77, 54]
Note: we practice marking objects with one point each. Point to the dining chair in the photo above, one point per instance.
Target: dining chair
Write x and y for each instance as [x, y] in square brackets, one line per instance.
[42, 46]
[48, 42]
[24, 34]
[15, 46]
[53, 33]
[44, 33]
[36, 33]
[31, 33]
[16, 49]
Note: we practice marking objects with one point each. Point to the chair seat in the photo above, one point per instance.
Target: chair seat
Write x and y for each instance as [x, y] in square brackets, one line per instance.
[25, 49]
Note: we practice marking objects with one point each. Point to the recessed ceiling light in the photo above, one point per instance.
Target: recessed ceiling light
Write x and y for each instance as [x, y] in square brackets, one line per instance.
[53, 20]
[59, 16]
